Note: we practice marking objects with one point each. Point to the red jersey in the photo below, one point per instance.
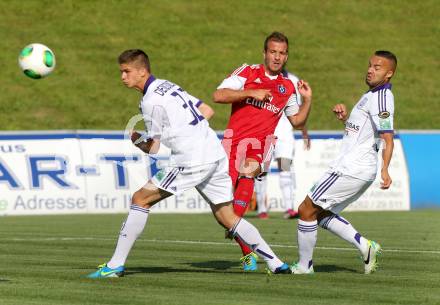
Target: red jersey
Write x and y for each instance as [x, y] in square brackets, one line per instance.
[258, 119]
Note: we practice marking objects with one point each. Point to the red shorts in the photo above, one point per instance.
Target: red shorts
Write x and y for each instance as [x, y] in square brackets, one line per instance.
[260, 150]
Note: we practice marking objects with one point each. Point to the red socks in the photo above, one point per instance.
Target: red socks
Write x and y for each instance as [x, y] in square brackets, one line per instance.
[242, 197]
[243, 194]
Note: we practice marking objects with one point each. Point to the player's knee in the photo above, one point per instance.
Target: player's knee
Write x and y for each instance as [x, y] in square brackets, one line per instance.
[140, 199]
[322, 215]
[284, 164]
[250, 168]
[307, 210]
[302, 208]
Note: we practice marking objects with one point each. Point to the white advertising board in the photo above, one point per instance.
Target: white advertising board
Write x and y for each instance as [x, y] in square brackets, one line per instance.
[310, 165]
[37, 177]
[69, 173]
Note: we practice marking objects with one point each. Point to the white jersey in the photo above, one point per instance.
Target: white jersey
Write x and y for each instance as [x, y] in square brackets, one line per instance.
[372, 115]
[170, 115]
[284, 129]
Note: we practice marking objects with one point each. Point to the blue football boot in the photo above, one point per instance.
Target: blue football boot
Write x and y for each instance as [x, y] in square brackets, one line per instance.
[104, 271]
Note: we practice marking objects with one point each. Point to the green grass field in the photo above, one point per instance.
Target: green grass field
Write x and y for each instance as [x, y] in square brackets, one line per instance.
[197, 43]
[183, 259]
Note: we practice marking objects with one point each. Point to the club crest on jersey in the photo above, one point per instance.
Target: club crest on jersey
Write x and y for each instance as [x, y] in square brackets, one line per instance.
[281, 89]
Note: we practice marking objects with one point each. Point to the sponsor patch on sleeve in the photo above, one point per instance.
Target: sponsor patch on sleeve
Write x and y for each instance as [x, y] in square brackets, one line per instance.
[385, 124]
[160, 175]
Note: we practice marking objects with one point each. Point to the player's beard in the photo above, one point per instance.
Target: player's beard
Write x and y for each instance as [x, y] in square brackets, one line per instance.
[275, 72]
[373, 84]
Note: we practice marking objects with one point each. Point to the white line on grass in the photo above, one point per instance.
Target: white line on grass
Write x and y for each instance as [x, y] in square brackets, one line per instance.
[199, 242]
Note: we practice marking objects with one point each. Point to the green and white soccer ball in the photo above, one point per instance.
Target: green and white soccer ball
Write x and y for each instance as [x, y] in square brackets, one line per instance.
[36, 60]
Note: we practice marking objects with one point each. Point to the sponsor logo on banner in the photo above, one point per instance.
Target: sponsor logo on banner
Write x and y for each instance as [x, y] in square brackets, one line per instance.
[99, 175]
[311, 165]
[75, 175]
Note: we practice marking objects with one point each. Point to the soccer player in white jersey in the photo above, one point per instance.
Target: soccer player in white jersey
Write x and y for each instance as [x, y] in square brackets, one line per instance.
[284, 153]
[197, 160]
[369, 124]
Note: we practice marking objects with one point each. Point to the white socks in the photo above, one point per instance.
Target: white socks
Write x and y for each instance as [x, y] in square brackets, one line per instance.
[250, 235]
[260, 187]
[342, 228]
[307, 235]
[287, 186]
[131, 229]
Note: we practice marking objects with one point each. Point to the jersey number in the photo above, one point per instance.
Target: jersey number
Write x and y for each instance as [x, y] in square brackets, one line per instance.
[188, 104]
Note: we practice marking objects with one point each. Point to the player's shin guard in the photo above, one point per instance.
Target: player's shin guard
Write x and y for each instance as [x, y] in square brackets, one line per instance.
[250, 235]
[307, 235]
[341, 227]
[131, 229]
[260, 192]
[287, 186]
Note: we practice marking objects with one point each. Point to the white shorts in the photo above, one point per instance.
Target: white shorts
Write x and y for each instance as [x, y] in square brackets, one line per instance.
[211, 180]
[334, 191]
[285, 145]
[285, 148]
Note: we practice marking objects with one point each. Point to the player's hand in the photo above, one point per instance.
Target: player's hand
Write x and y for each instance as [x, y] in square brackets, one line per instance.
[261, 94]
[340, 111]
[134, 136]
[306, 139]
[146, 145]
[386, 180]
[304, 89]
[307, 143]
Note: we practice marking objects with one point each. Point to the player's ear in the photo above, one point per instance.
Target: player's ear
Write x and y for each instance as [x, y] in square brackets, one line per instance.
[389, 74]
[143, 71]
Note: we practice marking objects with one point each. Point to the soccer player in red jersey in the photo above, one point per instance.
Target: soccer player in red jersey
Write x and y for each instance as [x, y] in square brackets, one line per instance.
[259, 94]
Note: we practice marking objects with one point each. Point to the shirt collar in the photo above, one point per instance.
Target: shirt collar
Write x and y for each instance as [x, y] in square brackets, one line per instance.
[384, 86]
[271, 77]
[150, 79]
